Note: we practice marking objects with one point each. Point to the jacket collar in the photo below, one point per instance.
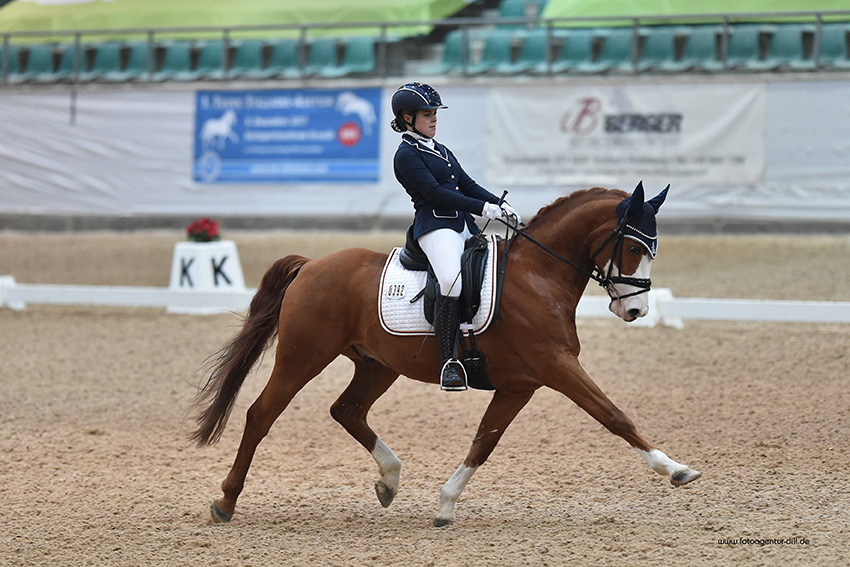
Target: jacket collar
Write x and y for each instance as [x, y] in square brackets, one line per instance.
[413, 140]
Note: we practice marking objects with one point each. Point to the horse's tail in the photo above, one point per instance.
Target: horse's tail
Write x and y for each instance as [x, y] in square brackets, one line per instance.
[228, 367]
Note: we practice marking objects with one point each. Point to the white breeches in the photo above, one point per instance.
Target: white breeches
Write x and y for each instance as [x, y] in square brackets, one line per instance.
[444, 247]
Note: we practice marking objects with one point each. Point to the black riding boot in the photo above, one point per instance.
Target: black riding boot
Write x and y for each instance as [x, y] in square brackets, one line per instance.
[452, 375]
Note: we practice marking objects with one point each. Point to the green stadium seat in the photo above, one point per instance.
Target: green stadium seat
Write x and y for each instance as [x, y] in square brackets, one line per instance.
[659, 50]
[455, 54]
[322, 55]
[743, 48]
[141, 60]
[107, 64]
[39, 68]
[700, 51]
[833, 46]
[248, 60]
[176, 64]
[13, 63]
[212, 60]
[497, 52]
[456, 50]
[616, 53]
[359, 58]
[72, 64]
[285, 59]
[511, 10]
[786, 49]
[576, 51]
[533, 53]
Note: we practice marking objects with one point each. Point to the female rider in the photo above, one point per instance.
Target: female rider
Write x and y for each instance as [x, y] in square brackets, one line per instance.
[444, 198]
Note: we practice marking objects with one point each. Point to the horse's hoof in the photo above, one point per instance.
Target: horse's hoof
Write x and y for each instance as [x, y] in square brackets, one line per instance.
[683, 477]
[218, 516]
[441, 522]
[385, 493]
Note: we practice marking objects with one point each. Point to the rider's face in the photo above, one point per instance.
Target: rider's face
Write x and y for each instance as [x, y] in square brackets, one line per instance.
[426, 122]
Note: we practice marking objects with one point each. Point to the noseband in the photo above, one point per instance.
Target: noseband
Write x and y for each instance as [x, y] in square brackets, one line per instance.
[606, 280]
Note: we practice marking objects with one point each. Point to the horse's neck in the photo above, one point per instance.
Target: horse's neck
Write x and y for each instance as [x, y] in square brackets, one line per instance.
[569, 235]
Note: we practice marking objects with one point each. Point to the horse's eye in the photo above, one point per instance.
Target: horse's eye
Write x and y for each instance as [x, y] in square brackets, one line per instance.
[635, 249]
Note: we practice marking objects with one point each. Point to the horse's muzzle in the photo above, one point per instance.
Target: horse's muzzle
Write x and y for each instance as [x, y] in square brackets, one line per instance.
[628, 312]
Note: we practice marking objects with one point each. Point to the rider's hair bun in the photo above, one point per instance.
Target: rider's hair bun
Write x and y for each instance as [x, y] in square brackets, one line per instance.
[397, 125]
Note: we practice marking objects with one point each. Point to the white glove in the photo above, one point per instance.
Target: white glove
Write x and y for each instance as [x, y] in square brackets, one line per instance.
[491, 211]
[509, 212]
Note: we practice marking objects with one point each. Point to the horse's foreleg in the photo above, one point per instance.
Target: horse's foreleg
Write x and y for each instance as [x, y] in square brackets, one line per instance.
[572, 381]
[678, 473]
[502, 410]
[371, 380]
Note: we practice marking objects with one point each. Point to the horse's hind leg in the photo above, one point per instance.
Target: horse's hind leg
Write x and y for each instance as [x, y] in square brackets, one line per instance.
[371, 380]
[571, 380]
[295, 365]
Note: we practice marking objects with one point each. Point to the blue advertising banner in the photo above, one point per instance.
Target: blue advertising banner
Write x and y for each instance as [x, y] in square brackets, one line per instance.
[273, 136]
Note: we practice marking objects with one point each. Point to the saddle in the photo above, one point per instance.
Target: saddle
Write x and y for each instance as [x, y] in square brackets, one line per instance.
[473, 264]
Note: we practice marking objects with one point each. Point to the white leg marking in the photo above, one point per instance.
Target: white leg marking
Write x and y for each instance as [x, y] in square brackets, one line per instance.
[389, 465]
[661, 463]
[451, 492]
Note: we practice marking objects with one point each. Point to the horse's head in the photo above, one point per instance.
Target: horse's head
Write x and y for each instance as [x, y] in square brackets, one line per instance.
[623, 257]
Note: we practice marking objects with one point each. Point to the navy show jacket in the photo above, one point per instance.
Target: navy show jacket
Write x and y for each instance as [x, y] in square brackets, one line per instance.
[443, 195]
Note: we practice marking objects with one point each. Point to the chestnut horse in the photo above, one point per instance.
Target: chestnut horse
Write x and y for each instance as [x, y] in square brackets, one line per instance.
[322, 308]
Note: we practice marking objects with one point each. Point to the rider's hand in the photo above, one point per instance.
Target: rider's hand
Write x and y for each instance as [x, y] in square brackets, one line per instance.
[509, 212]
[492, 211]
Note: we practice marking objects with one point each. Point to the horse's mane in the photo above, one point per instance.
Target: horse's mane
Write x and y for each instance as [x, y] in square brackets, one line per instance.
[573, 200]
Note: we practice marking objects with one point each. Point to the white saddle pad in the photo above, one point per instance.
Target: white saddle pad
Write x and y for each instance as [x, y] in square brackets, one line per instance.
[399, 285]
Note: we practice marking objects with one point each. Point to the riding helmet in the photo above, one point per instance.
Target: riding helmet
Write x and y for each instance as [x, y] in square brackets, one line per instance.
[411, 97]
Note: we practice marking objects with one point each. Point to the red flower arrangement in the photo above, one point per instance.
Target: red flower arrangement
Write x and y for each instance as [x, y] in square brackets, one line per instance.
[203, 230]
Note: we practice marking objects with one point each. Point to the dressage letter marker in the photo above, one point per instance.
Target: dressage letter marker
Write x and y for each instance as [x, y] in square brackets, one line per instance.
[184, 272]
[219, 272]
[203, 267]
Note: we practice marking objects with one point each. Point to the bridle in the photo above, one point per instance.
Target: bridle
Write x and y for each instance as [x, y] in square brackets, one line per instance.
[606, 280]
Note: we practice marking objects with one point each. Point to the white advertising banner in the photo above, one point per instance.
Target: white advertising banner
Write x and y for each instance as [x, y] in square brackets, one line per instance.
[733, 148]
[617, 135]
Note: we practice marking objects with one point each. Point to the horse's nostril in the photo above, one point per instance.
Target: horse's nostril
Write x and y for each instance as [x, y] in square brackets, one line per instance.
[634, 313]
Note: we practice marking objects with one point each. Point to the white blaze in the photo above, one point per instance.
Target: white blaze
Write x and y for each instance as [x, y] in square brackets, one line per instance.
[621, 307]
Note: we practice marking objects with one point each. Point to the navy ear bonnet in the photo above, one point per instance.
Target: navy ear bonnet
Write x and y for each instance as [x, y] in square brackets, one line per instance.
[640, 218]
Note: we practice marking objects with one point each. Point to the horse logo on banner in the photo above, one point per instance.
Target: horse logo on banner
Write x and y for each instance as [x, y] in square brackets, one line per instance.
[349, 103]
[217, 131]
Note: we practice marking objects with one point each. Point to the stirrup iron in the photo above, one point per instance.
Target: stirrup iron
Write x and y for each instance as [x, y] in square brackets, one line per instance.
[453, 385]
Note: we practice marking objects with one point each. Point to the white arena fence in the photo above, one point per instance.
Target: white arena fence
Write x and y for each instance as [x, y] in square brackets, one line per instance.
[665, 309]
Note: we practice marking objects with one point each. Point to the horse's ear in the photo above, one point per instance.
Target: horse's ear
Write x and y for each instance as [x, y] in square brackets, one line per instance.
[636, 201]
[656, 201]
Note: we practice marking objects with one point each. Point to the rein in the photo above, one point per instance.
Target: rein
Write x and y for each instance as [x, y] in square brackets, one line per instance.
[606, 281]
